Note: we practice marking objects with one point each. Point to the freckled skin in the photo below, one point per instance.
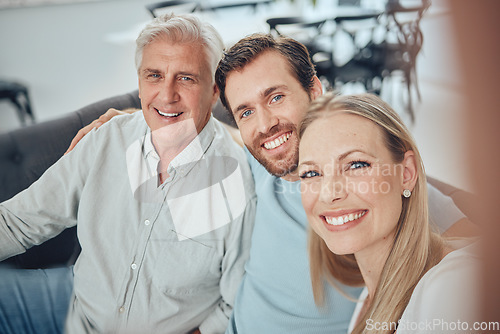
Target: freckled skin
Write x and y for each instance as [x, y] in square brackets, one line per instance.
[338, 188]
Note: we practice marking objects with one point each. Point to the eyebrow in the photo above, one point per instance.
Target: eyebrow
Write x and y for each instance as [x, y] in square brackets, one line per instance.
[309, 163]
[340, 157]
[346, 154]
[150, 70]
[190, 74]
[182, 73]
[264, 93]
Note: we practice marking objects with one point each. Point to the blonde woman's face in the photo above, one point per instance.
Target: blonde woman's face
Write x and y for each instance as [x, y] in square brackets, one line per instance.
[351, 187]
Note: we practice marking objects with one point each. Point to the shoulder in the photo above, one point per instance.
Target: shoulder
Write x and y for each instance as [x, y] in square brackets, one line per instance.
[448, 292]
[124, 129]
[260, 173]
[223, 143]
[463, 261]
[224, 146]
[125, 122]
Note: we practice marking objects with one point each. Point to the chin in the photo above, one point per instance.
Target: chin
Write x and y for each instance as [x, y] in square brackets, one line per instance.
[336, 245]
[280, 167]
[337, 249]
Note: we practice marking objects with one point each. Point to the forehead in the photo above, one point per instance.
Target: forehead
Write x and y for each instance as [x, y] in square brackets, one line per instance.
[339, 133]
[269, 62]
[166, 50]
[268, 69]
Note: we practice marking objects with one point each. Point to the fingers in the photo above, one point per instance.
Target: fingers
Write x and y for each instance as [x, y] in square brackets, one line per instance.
[109, 114]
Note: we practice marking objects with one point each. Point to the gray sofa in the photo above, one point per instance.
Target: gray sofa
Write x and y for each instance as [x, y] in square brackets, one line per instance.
[27, 152]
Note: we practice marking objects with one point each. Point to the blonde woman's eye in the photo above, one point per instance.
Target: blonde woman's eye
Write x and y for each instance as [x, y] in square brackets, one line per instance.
[358, 164]
[309, 174]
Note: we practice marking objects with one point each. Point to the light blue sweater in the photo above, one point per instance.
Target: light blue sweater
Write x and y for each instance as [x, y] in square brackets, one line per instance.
[276, 293]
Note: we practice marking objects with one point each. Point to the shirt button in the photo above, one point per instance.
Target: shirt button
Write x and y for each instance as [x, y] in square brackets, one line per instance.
[147, 222]
[133, 266]
[121, 309]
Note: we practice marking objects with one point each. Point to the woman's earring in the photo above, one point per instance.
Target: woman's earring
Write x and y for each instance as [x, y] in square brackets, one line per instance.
[406, 193]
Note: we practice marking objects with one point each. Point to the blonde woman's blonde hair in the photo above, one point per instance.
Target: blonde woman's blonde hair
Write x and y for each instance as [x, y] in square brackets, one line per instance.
[416, 248]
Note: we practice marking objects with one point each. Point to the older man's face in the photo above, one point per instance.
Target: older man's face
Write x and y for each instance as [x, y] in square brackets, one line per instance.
[176, 85]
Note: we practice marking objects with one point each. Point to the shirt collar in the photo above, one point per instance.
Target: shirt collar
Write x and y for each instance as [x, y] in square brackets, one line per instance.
[183, 162]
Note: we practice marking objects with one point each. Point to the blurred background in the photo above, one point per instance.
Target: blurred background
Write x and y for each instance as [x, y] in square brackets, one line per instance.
[70, 53]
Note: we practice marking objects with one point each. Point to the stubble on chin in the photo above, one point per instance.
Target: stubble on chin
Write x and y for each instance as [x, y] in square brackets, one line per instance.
[277, 165]
[280, 166]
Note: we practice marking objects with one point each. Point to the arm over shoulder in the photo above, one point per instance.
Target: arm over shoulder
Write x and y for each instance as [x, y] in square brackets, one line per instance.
[443, 213]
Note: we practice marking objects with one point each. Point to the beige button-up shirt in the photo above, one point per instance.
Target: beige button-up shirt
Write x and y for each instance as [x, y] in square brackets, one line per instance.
[155, 258]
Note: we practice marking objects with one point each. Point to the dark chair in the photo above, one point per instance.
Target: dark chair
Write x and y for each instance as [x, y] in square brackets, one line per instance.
[200, 6]
[275, 22]
[355, 70]
[305, 31]
[398, 49]
[18, 95]
[253, 4]
[323, 56]
[26, 153]
[185, 5]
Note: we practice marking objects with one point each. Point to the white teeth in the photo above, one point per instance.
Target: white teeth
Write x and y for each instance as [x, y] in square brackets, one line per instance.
[344, 219]
[168, 114]
[278, 141]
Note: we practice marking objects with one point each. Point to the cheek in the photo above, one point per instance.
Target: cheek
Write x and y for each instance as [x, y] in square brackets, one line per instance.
[147, 91]
[206, 96]
[297, 109]
[375, 185]
[382, 193]
[245, 132]
[309, 194]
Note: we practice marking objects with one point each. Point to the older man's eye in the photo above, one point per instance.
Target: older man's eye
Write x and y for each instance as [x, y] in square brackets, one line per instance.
[309, 174]
[153, 76]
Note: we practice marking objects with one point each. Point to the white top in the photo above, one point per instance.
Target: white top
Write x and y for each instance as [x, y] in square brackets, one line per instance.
[275, 295]
[445, 300]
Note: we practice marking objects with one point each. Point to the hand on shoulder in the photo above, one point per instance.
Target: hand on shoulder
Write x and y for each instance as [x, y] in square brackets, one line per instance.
[108, 115]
